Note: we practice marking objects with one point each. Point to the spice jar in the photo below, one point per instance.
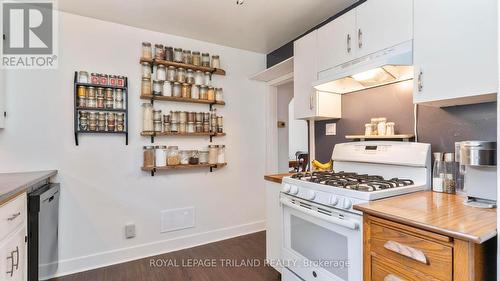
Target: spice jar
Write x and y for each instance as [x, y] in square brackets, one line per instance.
[180, 75]
[103, 79]
[178, 55]
[198, 77]
[101, 121]
[148, 156]
[186, 56]
[184, 155]
[219, 95]
[112, 80]
[147, 117]
[83, 121]
[206, 117]
[205, 59]
[100, 98]
[146, 87]
[450, 173]
[203, 156]
[167, 89]
[195, 92]
[157, 126]
[213, 153]
[174, 116]
[159, 52]
[182, 128]
[120, 81]
[160, 155]
[157, 87]
[182, 116]
[174, 127]
[211, 94]
[203, 92]
[171, 74]
[221, 154]
[156, 115]
[196, 58]
[120, 119]
[190, 76]
[368, 129]
[111, 121]
[186, 91]
[109, 94]
[215, 61]
[199, 117]
[194, 157]
[220, 124]
[173, 156]
[82, 100]
[191, 116]
[94, 78]
[146, 50]
[146, 70]
[190, 127]
[83, 77]
[161, 73]
[198, 127]
[169, 53]
[176, 90]
[207, 79]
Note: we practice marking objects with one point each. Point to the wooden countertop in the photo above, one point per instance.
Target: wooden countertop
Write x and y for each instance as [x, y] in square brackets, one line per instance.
[13, 184]
[277, 178]
[437, 212]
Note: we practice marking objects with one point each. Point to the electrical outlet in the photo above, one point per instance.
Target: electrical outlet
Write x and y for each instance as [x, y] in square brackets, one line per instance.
[129, 230]
[331, 129]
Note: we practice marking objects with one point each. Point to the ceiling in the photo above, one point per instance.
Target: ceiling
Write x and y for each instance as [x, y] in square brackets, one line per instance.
[257, 25]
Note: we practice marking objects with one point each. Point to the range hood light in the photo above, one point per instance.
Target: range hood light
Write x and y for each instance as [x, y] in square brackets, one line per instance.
[373, 76]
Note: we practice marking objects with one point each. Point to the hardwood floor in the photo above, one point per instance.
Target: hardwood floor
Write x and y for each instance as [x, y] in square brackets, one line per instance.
[240, 258]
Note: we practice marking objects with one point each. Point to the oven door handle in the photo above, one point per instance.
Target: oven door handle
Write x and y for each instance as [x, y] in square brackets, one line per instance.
[345, 223]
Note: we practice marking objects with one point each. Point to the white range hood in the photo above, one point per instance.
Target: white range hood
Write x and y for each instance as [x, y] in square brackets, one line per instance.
[384, 67]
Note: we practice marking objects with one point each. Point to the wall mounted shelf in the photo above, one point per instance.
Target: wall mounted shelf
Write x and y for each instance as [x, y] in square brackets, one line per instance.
[153, 170]
[216, 71]
[404, 137]
[172, 134]
[177, 99]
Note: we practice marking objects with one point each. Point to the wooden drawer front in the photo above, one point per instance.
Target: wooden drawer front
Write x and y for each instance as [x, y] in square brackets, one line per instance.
[383, 270]
[428, 257]
[12, 215]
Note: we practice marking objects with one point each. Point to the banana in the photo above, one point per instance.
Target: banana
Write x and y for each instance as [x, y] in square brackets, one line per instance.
[322, 166]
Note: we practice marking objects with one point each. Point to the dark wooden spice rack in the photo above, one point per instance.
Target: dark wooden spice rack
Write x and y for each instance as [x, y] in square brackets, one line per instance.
[212, 70]
[153, 170]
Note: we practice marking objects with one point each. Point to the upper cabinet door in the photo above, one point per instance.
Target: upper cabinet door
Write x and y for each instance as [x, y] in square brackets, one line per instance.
[304, 74]
[382, 24]
[337, 41]
[455, 51]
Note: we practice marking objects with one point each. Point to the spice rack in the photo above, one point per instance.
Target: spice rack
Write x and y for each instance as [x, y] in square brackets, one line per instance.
[153, 170]
[216, 71]
[78, 109]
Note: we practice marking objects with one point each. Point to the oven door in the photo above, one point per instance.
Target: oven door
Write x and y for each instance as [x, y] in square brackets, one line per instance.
[321, 243]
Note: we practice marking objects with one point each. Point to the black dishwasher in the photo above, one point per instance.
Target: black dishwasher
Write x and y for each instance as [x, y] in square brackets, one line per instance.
[43, 232]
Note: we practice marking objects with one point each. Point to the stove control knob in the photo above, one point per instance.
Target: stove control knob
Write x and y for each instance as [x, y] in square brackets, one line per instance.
[294, 189]
[333, 200]
[286, 188]
[347, 203]
[310, 195]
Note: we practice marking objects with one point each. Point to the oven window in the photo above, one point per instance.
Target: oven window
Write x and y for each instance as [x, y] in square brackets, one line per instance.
[318, 244]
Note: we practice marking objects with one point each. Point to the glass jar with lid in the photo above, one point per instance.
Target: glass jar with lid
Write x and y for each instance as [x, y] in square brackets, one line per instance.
[194, 157]
[176, 90]
[207, 79]
[83, 77]
[186, 91]
[186, 56]
[167, 89]
[156, 115]
[161, 73]
[219, 96]
[195, 92]
[171, 73]
[178, 55]
[182, 128]
[389, 131]
[203, 156]
[169, 53]
[221, 154]
[159, 52]
[220, 125]
[183, 116]
[215, 61]
[174, 116]
[146, 87]
[190, 76]
[161, 156]
[450, 173]
[203, 92]
[173, 158]
[180, 75]
[211, 94]
[190, 127]
[157, 87]
[198, 77]
[147, 117]
[196, 58]
[148, 156]
[146, 50]
[157, 126]
[205, 59]
[213, 154]
[184, 157]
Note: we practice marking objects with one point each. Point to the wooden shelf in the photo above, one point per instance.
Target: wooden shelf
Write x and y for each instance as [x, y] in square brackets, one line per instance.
[153, 134]
[101, 109]
[153, 170]
[216, 71]
[177, 99]
[100, 86]
[405, 137]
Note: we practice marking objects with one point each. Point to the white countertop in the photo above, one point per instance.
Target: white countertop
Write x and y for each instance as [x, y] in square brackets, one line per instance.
[11, 184]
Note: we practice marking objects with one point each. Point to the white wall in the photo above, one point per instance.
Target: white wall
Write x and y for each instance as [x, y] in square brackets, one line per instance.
[102, 184]
[285, 94]
[297, 133]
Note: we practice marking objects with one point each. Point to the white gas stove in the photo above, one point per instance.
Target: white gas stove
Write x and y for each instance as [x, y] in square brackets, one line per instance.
[322, 233]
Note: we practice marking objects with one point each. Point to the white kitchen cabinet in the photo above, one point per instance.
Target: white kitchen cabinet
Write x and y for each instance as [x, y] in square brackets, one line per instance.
[13, 256]
[455, 52]
[309, 103]
[337, 41]
[382, 24]
[273, 224]
[3, 90]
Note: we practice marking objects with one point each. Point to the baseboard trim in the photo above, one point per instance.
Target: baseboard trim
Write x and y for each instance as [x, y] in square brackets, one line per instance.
[108, 258]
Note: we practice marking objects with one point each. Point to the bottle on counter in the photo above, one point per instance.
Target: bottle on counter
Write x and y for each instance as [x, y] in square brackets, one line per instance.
[438, 172]
[450, 173]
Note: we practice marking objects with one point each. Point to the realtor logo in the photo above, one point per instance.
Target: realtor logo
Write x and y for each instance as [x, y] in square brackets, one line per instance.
[29, 37]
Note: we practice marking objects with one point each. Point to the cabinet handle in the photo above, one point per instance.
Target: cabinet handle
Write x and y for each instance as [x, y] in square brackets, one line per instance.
[360, 38]
[420, 80]
[11, 272]
[14, 216]
[311, 97]
[349, 43]
[406, 251]
[17, 258]
[392, 277]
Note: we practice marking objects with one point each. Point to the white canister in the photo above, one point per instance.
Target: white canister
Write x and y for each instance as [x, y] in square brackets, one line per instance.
[381, 126]
[221, 154]
[213, 153]
[160, 156]
[167, 89]
[161, 73]
[368, 129]
[390, 129]
[198, 78]
[207, 79]
[195, 92]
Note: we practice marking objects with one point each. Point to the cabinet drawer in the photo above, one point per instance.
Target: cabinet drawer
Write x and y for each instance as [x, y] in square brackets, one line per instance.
[384, 270]
[426, 256]
[12, 215]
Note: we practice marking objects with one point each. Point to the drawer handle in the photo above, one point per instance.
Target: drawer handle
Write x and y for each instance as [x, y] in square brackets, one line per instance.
[14, 216]
[11, 271]
[17, 258]
[406, 251]
[392, 277]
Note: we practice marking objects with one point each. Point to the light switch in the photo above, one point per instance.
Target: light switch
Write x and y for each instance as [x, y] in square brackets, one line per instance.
[331, 129]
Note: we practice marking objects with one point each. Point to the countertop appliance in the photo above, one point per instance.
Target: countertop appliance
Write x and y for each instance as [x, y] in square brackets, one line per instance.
[43, 225]
[480, 177]
[322, 233]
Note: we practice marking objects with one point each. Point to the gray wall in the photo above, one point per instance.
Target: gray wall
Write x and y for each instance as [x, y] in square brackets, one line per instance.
[440, 127]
